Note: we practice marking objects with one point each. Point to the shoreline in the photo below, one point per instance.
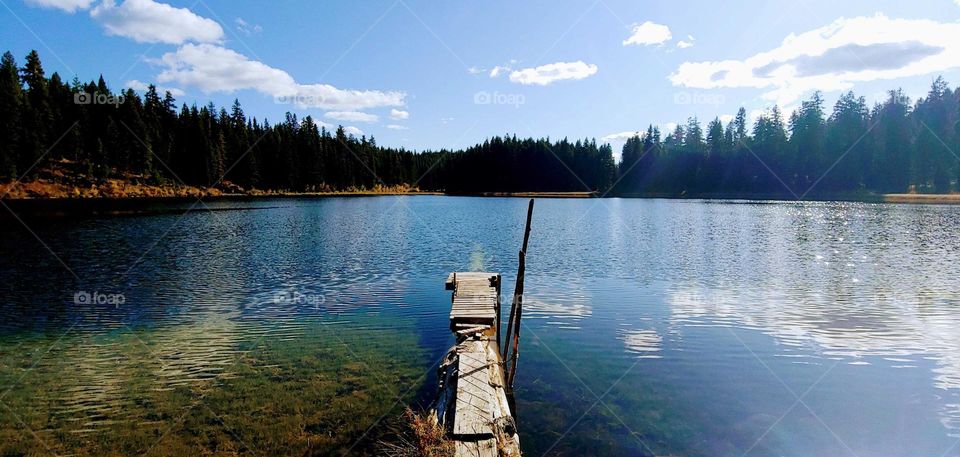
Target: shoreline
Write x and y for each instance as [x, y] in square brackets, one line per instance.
[523, 194]
[902, 198]
[138, 205]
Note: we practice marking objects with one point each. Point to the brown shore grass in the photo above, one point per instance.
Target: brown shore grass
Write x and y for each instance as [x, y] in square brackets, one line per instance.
[64, 180]
[953, 199]
[422, 437]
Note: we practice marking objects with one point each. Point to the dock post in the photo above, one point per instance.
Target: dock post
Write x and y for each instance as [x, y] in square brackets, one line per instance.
[513, 327]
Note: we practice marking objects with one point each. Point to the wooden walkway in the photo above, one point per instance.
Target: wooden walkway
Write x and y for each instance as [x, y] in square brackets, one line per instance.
[483, 425]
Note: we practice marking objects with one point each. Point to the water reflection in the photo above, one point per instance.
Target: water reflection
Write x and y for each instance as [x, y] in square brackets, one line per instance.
[694, 317]
[646, 343]
[899, 329]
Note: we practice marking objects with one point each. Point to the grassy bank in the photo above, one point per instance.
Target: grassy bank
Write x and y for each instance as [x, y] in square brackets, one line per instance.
[953, 199]
[67, 180]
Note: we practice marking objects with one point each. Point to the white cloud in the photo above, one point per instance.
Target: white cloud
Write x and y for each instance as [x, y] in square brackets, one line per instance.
[216, 69]
[478, 70]
[351, 130]
[546, 74]
[835, 57]
[247, 28]
[684, 44]
[727, 118]
[397, 127]
[399, 114]
[620, 137]
[499, 70]
[648, 33]
[147, 21]
[351, 116]
[142, 86]
[70, 6]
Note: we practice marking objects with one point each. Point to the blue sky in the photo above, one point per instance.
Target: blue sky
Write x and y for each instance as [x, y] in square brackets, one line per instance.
[430, 74]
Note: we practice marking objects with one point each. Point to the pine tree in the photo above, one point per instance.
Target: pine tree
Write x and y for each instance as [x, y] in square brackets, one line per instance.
[10, 127]
[36, 114]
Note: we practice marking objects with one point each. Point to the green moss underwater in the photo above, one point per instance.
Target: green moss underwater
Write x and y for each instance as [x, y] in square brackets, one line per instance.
[209, 389]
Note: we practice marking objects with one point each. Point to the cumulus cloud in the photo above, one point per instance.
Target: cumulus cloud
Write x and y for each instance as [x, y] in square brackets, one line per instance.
[351, 116]
[142, 86]
[684, 44]
[550, 73]
[212, 68]
[396, 127]
[147, 21]
[69, 6]
[648, 33]
[834, 57]
[399, 114]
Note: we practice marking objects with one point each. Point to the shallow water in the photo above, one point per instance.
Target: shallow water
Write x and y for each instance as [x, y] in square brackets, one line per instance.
[650, 326]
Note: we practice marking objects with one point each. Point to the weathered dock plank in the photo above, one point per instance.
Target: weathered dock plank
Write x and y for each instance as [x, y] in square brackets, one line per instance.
[474, 412]
[475, 298]
[480, 448]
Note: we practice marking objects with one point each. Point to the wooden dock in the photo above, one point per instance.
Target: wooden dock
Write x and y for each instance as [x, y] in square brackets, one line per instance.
[473, 403]
[474, 400]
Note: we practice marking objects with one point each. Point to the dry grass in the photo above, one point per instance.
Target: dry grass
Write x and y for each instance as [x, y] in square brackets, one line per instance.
[65, 179]
[922, 198]
[423, 437]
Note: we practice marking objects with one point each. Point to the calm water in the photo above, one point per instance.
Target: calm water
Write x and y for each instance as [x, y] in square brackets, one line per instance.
[652, 327]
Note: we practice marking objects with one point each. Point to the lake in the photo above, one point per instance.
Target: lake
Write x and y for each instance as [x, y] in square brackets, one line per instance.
[651, 327]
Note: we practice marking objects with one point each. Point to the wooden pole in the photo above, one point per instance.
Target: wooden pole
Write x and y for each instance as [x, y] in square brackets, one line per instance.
[513, 315]
[518, 299]
[513, 326]
[498, 306]
[526, 233]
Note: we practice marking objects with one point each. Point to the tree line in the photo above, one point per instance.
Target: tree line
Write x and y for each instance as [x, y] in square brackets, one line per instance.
[113, 134]
[894, 146]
